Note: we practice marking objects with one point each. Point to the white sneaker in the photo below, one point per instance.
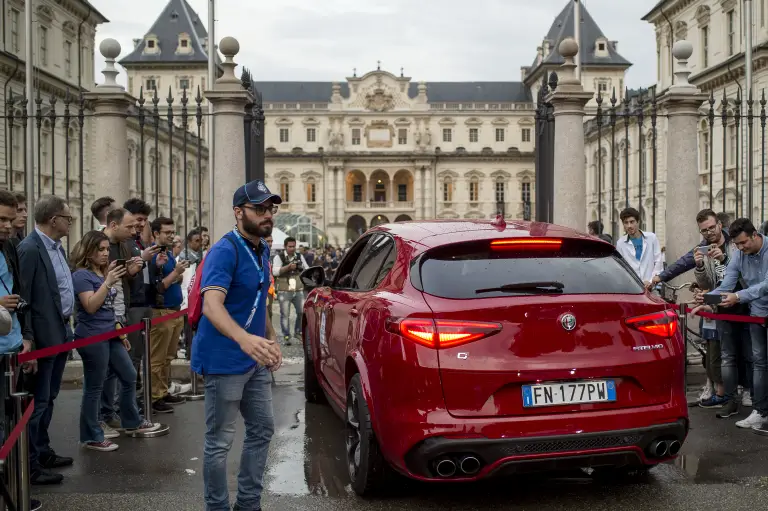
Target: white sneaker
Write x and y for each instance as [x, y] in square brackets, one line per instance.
[179, 388]
[746, 398]
[754, 419]
[109, 432]
[706, 392]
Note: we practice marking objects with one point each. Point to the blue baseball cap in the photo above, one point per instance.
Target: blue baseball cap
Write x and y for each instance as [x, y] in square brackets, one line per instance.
[255, 192]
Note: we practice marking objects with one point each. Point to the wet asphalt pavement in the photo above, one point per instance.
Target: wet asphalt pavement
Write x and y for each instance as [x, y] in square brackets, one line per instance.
[721, 467]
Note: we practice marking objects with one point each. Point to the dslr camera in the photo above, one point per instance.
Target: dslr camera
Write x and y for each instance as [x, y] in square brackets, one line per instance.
[295, 259]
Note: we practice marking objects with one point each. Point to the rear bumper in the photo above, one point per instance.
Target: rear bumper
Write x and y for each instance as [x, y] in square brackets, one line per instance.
[608, 448]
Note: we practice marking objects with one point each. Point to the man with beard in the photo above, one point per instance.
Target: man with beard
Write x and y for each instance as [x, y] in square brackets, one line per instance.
[236, 348]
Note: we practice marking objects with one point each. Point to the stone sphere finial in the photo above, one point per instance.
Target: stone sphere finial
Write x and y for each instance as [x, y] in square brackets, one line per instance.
[110, 49]
[568, 48]
[229, 46]
[682, 50]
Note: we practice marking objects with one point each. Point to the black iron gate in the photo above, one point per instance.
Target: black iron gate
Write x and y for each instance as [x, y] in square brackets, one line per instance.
[545, 151]
[253, 130]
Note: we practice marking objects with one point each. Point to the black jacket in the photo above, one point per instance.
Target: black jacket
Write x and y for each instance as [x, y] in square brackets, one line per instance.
[12, 260]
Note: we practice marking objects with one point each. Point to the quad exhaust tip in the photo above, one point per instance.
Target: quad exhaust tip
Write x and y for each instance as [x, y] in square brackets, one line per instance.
[446, 468]
[658, 448]
[470, 465]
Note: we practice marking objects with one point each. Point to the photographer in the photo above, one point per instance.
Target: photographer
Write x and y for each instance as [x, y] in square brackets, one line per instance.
[286, 267]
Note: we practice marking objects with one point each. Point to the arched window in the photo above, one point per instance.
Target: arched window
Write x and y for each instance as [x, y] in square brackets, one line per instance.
[500, 190]
[525, 190]
[474, 189]
[447, 190]
[311, 191]
[285, 190]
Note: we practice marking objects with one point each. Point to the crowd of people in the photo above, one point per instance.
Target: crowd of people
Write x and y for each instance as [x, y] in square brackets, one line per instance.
[730, 268]
[118, 274]
[129, 268]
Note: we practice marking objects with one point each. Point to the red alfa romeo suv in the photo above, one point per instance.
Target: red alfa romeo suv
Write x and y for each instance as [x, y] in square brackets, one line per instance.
[459, 350]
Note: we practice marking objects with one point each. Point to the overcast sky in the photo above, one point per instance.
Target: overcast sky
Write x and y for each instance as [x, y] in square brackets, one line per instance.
[434, 40]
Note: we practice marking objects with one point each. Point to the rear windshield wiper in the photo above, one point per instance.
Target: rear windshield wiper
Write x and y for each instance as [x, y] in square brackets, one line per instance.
[529, 287]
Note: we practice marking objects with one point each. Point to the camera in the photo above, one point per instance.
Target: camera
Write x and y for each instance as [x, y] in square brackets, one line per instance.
[21, 307]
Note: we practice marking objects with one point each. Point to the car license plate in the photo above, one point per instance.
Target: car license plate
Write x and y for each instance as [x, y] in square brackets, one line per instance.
[571, 393]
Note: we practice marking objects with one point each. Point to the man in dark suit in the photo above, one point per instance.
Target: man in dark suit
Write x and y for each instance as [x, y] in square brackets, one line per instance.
[47, 287]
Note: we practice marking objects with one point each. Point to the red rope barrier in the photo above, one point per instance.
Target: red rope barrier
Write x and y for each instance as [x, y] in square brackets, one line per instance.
[736, 318]
[68, 346]
[5, 450]
[169, 317]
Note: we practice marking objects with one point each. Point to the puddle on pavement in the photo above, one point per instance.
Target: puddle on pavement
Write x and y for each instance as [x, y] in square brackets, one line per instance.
[307, 456]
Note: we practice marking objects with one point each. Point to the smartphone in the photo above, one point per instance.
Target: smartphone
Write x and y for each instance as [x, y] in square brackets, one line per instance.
[702, 250]
[713, 299]
[163, 248]
[120, 262]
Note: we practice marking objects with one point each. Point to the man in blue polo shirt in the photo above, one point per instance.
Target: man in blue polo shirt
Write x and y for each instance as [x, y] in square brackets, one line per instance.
[235, 349]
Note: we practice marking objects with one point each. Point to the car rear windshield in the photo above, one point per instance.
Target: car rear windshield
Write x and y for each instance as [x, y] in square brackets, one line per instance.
[460, 270]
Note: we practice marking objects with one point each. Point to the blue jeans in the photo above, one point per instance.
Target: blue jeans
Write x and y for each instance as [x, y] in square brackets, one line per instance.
[735, 346]
[225, 395]
[286, 299]
[50, 371]
[760, 368]
[97, 360]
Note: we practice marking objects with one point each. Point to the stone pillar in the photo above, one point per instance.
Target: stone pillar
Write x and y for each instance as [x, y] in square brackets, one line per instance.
[228, 98]
[570, 181]
[681, 103]
[112, 175]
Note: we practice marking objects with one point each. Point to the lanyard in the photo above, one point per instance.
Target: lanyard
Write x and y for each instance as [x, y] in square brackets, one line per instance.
[261, 277]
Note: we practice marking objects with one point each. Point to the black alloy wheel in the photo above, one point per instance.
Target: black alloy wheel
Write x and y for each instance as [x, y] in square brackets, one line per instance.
[368, 471]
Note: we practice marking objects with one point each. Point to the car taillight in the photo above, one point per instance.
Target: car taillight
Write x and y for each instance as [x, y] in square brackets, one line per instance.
[663, 324]
[527, 244]
[441, 333]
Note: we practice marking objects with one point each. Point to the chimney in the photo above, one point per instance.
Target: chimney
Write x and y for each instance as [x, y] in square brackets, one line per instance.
[136, 43]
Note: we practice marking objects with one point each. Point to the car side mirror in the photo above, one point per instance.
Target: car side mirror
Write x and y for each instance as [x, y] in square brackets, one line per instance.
[313, 277]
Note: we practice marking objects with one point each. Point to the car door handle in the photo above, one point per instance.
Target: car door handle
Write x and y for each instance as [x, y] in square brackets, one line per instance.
[353, 312]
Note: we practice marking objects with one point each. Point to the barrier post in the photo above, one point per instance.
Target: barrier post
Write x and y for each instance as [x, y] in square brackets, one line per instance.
[146, 367]
[12, 461]
[683, 313]
[194, 393]
[4, 417]
[23, 492]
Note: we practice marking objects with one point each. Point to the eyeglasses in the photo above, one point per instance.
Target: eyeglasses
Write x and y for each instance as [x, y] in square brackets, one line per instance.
[261, 209]
[68, 218]
[708, 229]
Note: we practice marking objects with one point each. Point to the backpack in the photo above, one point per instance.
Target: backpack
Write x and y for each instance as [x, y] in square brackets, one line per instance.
[194, 298]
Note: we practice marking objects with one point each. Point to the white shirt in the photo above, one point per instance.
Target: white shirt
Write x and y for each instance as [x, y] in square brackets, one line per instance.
[277, 264]
[650, 263]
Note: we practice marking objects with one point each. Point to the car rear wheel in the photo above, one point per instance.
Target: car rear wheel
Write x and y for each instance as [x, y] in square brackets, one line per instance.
[313, 392]
[368, 470]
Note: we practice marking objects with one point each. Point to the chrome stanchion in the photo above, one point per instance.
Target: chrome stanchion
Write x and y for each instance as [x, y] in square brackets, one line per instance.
[146, 367]
[194, 393]
[12, 461]
[683, 314]
[23, 492]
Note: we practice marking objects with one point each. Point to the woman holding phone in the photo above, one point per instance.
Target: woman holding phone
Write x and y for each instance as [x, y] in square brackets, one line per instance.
[94, 279]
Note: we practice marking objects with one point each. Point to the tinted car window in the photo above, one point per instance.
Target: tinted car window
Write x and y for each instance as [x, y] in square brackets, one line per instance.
[458, 272]
[375, 254]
